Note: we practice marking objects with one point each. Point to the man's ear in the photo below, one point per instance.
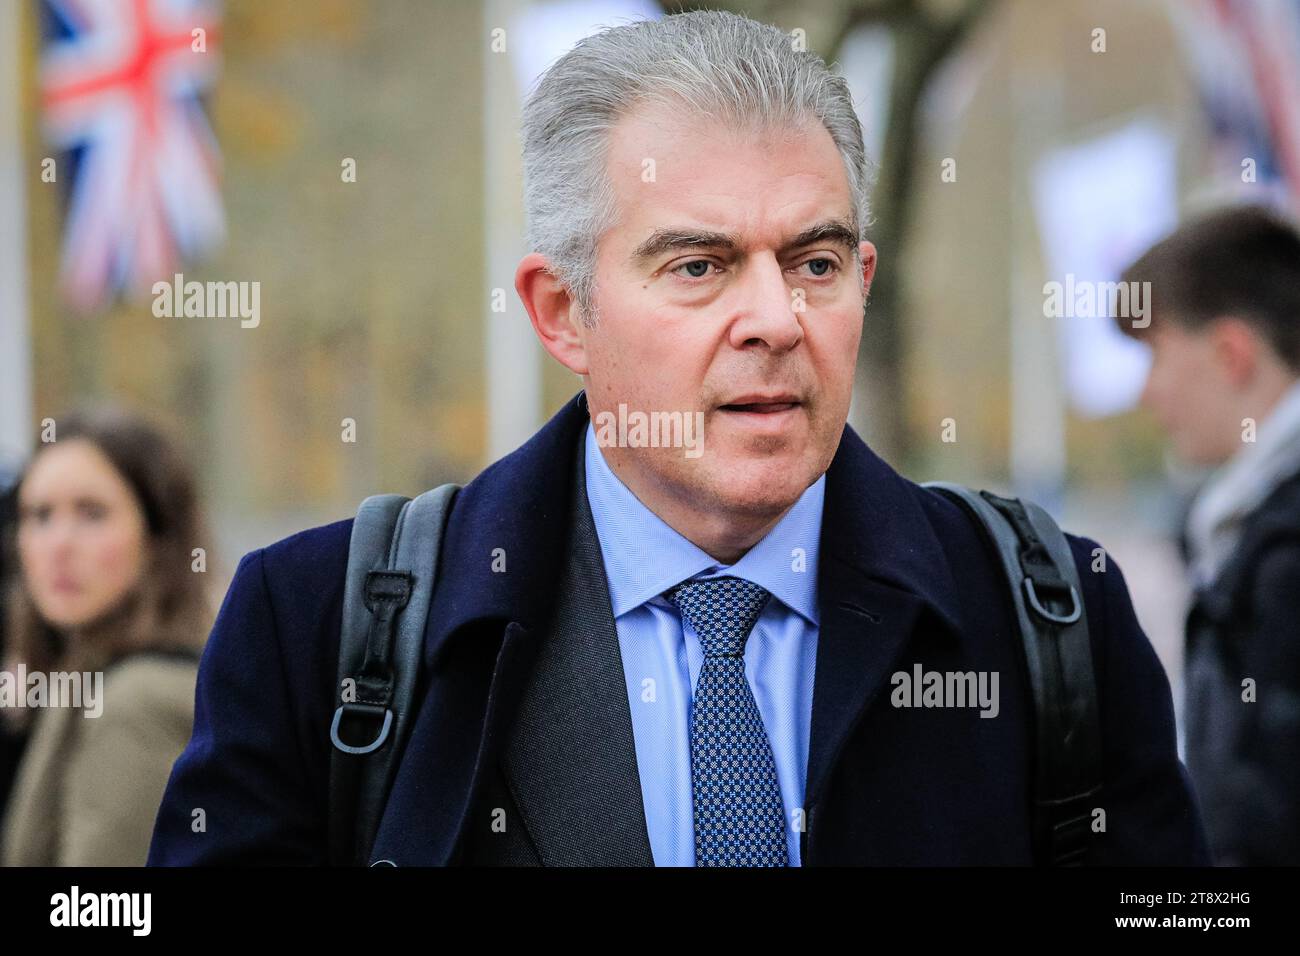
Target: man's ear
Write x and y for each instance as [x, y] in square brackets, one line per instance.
[867, 253]
[553, 312]
[1237, 348]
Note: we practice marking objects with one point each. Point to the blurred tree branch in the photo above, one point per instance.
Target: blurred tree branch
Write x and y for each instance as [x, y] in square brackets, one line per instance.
[925, 33]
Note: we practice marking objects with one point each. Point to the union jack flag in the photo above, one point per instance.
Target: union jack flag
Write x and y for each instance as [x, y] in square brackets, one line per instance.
[122, 83]
[1246, 54]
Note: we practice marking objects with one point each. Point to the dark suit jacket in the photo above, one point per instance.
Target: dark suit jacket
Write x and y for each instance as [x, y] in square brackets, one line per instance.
[1244, 757]
[523, 717]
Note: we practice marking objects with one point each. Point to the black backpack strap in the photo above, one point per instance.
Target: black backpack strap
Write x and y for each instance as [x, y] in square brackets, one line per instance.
[392, 565]
[1048, 598]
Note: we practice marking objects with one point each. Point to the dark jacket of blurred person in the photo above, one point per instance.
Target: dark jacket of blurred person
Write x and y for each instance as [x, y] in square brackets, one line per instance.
[104, 586]
[1247, 754]
[11, 739]
[1225, 384]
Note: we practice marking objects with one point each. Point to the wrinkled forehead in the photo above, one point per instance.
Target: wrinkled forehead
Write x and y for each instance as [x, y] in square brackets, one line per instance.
[680, 169]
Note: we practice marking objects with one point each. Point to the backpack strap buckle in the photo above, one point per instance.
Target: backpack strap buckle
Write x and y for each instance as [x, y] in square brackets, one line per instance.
[1069, 617]
[366, 712]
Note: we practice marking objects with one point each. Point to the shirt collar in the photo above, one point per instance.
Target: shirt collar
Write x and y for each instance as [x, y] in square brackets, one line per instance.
[645, 557]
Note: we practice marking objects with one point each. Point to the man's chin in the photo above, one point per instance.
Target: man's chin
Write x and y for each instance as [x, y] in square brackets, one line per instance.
[759, 484]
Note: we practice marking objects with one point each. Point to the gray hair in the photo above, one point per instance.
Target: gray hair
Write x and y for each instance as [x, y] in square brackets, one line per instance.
[746, 74]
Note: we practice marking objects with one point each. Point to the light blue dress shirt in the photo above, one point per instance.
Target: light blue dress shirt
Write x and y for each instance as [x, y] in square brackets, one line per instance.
[662, 656]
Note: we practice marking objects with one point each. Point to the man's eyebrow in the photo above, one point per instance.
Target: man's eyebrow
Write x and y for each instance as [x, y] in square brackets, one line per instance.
[835, 231]
[667, 240]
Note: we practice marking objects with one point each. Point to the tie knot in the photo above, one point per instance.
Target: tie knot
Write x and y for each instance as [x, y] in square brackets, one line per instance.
[722, 611]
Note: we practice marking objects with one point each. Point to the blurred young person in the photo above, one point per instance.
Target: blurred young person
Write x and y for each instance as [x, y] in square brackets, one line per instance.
[107, 519]
[1225, 385]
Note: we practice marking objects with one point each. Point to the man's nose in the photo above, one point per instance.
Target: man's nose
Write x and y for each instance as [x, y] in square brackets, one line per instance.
[771, 311]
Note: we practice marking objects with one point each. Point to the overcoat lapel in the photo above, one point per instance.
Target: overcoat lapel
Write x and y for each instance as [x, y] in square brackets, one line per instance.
[571, 759]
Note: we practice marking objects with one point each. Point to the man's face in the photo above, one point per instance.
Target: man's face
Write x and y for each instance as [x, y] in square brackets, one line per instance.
[1187, 390]
[759, 335]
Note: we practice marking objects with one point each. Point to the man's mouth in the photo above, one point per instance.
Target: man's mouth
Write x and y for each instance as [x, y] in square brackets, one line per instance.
[762, 404]
[761, 407]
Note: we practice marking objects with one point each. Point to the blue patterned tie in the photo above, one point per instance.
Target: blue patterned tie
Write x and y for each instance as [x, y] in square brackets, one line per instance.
[739, 817]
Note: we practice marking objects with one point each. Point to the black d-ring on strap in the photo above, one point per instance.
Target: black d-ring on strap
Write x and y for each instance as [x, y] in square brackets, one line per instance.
[1042, 577]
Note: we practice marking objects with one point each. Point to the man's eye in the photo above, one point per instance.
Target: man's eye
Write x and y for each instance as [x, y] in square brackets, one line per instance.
[699, 268]
[830, 267]
[699, 273]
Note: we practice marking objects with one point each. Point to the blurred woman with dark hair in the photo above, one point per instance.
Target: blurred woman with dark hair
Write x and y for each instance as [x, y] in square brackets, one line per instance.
[106, 583]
